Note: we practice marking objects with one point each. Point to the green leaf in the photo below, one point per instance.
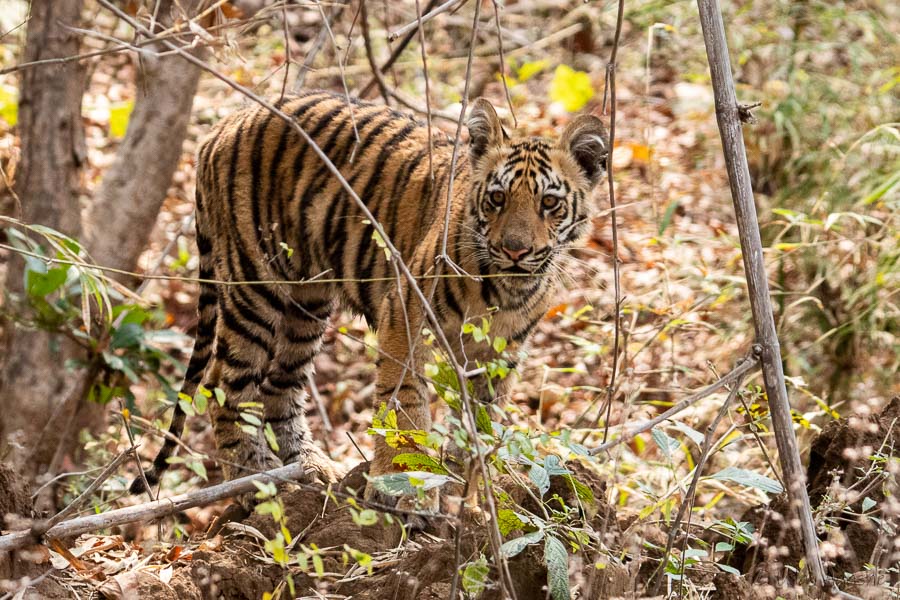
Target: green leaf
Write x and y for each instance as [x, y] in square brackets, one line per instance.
[474, 576]
[272, 507]
[665, 442]
[483, 420]
[552, 466]
[251, 418]
[271, 438]
[583, 492]
[362, 559]
[413, 461]
[220, 396]
[513, 547]
[40, 283]
[729, 569]
[197, 467]
[267, 489]
[408, 483]
[186, 406]
[499, 344]
[749, 479]
[867, 504]
[557, 561]
[119, 113]
[508, 521]
[540, 478]
[571, 88]
[724, 547]
[667, 216]
[318, 565]
[200, 403]
[365, 517]
[692, 433]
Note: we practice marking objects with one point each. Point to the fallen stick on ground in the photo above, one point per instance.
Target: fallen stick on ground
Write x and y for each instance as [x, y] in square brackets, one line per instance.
[156, 509]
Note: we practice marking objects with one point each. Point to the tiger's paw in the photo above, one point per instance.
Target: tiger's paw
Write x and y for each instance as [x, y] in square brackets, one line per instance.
[319, 467]
[233, 513]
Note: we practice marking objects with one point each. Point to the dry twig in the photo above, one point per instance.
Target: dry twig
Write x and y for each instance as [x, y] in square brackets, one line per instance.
[743, 367]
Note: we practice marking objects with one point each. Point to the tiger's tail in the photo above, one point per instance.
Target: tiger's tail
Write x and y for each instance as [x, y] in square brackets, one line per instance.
[200, 359]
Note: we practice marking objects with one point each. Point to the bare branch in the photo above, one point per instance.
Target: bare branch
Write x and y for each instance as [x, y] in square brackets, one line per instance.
[449, 5]
[39, 528]
[743, 367]
[767, 346]
[317, 45]
[395, 54]
[688, 499]
[155, 509]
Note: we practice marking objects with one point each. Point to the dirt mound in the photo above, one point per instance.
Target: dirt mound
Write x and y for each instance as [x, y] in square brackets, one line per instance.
[854, 492]
[420, 568]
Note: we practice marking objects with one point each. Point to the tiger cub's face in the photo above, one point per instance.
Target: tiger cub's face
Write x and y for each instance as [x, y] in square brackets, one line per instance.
[531, 198]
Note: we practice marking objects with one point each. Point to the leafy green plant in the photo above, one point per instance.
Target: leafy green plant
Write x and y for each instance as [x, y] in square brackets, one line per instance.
[125, 341]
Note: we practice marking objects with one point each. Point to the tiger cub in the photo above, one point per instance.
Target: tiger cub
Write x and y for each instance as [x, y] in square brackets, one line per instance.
[268, 210]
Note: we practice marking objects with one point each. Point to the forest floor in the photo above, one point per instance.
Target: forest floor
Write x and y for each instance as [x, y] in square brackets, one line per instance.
[685, 320]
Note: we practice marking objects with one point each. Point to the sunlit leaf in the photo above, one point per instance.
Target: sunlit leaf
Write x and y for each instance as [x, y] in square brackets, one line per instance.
[530, 69]
[513, 547]
[413, 461]
[571, 88]
[408, 483]
[749, 479]
[271, 438]
[9, 105]
[119, 114]
[474, 576]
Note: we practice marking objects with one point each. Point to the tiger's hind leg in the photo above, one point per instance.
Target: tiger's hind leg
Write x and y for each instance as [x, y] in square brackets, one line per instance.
[245, 346]
[299, 340]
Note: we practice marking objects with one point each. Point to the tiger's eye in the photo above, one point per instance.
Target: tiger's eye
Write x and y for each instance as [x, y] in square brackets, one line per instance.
[497, 199]
[549, 202]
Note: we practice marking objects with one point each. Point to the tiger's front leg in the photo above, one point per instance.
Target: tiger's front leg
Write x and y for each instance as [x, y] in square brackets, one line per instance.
[400, 387]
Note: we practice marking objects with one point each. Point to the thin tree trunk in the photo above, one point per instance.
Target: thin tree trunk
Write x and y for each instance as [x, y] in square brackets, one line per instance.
[135, 186]
[33, 380]
[766, 347]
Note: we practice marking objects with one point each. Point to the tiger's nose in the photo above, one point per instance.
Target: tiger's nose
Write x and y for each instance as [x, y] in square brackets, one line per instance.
[515, 250]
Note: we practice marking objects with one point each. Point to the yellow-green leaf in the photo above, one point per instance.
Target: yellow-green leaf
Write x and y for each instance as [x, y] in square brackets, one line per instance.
[119, 113]
[9, 105]
[571, 88]
[530, 69]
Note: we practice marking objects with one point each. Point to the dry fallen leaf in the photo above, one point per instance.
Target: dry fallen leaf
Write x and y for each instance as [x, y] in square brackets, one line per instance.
[67, 556]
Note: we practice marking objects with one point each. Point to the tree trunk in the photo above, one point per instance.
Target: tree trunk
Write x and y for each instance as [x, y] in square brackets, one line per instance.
[33, 380]
[766, 347]
[135, 186]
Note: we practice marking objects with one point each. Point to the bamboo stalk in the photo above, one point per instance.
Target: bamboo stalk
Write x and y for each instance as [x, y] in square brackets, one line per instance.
[767, 346]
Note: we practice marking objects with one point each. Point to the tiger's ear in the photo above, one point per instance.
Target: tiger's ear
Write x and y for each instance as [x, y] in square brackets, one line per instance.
[585, 138]
[485, 130]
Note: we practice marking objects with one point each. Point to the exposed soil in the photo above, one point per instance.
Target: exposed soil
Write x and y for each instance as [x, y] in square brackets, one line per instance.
[237, 567]
[843, 483]
[417, 569]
